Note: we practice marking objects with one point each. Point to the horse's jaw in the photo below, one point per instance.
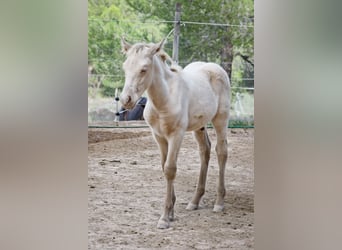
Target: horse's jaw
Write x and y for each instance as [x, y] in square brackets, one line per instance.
[129, 106]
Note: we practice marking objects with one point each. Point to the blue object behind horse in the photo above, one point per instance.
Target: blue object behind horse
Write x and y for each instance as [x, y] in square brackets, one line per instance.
[137, 113]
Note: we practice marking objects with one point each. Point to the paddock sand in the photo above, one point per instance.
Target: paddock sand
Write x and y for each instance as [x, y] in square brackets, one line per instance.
[127, 187]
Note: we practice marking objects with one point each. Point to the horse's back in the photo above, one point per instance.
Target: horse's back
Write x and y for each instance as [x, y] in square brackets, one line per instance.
[207, 67]
[194, 66]
[210, 72]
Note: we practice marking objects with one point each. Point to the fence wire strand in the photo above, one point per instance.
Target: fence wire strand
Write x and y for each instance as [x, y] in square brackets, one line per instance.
[181, 22]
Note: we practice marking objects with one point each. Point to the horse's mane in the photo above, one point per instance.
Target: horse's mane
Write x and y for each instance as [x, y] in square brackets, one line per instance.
[165, 58]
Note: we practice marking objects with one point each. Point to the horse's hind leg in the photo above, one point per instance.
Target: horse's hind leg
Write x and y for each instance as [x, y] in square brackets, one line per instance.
[220, 123]
[204, 145]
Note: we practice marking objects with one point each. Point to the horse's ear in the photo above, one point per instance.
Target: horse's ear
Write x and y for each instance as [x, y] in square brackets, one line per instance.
[125, 45]
[157, 47]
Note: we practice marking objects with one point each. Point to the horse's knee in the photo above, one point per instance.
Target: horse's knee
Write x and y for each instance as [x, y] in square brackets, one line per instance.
[222, 148]
[222, 143]
[221, 151]
[170, 171]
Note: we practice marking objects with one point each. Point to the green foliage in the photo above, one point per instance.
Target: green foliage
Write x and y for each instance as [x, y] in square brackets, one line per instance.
[108, 88]
[205, 42]
[109, 85]
[238, 123]
[241, 123]
[242, 73]
[136, 20]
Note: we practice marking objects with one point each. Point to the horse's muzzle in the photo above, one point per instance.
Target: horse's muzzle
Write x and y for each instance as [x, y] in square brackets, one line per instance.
[127, 102]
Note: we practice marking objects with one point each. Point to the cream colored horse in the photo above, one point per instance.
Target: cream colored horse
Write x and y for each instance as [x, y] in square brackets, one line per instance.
[179, 100]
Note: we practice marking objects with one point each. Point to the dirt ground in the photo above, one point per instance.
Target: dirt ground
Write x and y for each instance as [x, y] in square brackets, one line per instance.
[127, 187]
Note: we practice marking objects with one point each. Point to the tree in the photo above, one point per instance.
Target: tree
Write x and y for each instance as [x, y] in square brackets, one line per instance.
[207, 42]
[144, 20]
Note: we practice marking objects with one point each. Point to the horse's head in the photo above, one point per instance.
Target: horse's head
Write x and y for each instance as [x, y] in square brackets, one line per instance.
[138, 70]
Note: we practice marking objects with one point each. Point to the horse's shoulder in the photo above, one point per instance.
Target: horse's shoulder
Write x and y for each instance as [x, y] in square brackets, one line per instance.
[150, 114]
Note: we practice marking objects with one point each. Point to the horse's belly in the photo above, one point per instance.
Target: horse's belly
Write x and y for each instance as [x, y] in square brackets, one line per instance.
[202, 110]
[196, 125]
[200, 117]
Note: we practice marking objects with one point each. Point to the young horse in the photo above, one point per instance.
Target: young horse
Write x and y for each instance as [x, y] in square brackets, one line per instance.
[178, 101]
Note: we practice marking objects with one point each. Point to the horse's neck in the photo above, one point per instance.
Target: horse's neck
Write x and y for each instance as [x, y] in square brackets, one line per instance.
[158, 92]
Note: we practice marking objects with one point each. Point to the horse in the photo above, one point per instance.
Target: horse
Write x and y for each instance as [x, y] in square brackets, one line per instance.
[179, 100]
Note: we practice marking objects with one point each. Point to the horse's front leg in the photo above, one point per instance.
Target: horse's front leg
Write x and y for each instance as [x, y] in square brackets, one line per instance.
[163, 147]
[170, 169]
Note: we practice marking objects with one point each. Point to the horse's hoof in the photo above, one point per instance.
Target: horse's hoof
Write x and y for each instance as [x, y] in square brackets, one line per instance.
[191, 206]
[162, 224]
[218, 208]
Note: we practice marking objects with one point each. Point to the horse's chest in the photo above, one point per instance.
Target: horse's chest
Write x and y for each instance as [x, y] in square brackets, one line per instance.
[163, 127]
[162, 124]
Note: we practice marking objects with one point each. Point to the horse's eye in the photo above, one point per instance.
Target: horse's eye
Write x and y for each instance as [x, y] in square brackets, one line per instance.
[143, 71]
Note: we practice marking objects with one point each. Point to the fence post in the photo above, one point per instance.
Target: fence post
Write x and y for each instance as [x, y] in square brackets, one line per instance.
[117, 114]
[176, 33]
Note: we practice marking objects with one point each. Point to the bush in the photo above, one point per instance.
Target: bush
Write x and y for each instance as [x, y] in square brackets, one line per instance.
[243, 123]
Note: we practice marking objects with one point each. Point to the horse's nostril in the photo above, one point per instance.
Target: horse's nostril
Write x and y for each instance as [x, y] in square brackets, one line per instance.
[129, 99]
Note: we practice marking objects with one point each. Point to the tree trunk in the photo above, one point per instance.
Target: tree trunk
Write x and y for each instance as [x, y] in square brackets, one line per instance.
[227, 56]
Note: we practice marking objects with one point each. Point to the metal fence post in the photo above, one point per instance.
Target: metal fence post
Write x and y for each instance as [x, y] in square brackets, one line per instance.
[176, 33]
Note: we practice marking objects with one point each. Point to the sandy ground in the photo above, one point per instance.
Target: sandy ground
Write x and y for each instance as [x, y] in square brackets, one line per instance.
[127, 188]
